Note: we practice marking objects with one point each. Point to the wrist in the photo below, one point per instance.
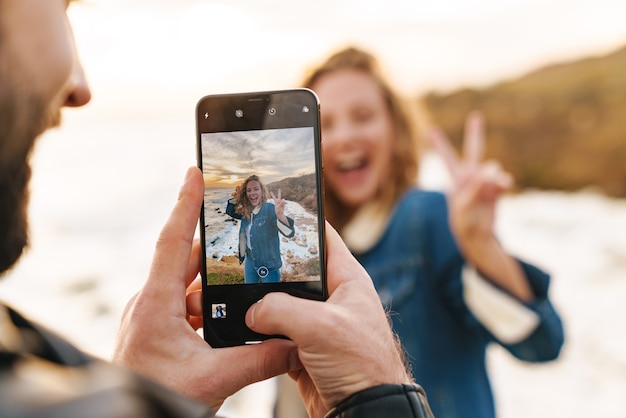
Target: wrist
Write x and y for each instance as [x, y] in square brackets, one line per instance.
[478, 245]
[394, 372]
[481, 252]
[384, 400]
[489, 258]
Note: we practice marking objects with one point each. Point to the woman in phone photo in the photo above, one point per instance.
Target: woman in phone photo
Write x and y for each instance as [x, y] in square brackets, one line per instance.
[261, 223]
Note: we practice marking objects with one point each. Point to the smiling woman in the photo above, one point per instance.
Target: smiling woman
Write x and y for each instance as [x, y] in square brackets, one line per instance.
[434, 258]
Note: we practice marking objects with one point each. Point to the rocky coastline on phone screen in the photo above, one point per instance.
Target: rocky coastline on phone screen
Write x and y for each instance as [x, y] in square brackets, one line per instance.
[222, 237]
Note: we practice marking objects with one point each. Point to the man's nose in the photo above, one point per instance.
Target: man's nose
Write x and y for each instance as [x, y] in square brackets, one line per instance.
[79, 91]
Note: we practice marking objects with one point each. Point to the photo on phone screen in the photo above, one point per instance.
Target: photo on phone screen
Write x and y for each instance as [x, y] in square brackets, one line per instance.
[262, 226]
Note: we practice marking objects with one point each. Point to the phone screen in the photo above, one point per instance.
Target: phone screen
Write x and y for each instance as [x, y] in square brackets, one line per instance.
[261, 226]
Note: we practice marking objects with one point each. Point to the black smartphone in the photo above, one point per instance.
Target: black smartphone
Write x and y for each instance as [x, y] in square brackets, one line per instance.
[262, 222]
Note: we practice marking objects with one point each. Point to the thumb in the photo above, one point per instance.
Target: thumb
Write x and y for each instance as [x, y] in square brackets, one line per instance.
[174, 245]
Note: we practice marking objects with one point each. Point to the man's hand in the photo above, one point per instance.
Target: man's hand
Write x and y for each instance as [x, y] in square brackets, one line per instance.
[157, 340]
[345, 344]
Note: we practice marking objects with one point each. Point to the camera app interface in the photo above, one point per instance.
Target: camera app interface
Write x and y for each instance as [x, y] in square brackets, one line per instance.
[260, 206]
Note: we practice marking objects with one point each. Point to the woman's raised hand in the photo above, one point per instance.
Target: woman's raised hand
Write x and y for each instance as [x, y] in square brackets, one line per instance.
[279, 205]
[477, 184]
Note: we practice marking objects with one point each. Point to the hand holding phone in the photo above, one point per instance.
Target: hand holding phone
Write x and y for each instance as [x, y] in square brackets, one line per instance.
[261, 226]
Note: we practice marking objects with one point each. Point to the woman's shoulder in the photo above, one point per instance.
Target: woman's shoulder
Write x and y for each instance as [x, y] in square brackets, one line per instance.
[420, 199]
[422, 209]
[267, 207]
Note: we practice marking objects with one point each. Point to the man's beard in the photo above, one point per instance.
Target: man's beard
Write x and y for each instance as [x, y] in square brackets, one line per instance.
[23, 117]
[13, 219]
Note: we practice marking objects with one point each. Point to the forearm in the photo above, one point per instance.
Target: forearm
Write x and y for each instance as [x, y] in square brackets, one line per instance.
[282, 218]
[490, 259]
[230, 209]
[285, 226]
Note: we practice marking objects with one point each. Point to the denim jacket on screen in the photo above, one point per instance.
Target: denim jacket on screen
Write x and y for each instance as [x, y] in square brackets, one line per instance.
[263, 236]
[416, 267]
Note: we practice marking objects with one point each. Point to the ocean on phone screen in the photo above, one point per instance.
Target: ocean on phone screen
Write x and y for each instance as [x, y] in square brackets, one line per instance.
[222, 231]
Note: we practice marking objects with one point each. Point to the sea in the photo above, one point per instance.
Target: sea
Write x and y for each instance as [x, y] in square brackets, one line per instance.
[222, 232]
[101, 192]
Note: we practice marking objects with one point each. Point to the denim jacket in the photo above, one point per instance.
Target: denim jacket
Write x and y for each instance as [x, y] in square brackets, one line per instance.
[416, 267]
[263, 236]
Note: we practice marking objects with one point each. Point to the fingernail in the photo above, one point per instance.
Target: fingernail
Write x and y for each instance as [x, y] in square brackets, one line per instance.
[251, 316]
[188, 173]
[187, 176]
[251, 313]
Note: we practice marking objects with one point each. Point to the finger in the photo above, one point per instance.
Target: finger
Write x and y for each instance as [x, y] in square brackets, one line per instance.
[129, 305]
[494, 180]
[345, 270]
[193, 267]
[448, 154]
[341, 262]
[196, 284]
[173, 248]
[196, 322]
[253, 363]
[194, 303]
[267, 315]
[243, 365]
[272, 194]
[485, 185]
[279, 194]
[474, 143]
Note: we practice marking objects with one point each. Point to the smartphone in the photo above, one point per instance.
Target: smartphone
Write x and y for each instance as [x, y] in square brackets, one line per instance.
[262, 222]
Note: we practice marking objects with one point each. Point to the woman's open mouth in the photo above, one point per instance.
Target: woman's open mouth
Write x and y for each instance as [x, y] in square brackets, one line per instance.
[352, 170]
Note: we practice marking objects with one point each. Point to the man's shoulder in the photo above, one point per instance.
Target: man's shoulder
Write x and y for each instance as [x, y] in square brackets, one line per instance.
[44, 375]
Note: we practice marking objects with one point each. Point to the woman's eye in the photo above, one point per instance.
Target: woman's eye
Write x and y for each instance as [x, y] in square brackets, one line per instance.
[326, 124]
[362, 116]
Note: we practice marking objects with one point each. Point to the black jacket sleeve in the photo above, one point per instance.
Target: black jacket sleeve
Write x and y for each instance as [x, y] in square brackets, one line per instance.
[45, 376]
[384, 401]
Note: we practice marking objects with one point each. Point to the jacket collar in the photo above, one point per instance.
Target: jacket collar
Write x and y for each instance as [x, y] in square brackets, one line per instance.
[366, 227]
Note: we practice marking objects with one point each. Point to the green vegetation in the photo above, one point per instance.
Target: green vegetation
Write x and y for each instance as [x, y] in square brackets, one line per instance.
[561, 127]
[224, 278]
[312, 267]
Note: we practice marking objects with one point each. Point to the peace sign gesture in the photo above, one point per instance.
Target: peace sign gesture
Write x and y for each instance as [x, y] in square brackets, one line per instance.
[477, 185]
[279, 206]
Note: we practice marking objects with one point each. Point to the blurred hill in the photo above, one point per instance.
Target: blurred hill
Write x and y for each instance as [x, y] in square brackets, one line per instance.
[561, 127]
[297, 189]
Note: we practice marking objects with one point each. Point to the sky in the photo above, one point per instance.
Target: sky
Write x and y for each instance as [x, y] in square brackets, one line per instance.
[150, 61]
[199, 45]
[230, 157]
